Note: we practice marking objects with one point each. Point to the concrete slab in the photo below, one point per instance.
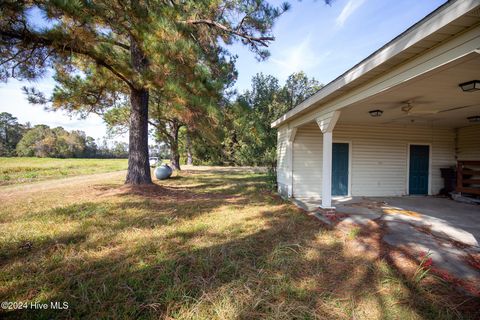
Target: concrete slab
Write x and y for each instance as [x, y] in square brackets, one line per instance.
[306, 204]
[447, 218]
[447, 229]
[444, 255]
[357, 219]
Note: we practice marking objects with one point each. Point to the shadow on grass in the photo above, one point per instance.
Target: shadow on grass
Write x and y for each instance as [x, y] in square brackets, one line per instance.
[156, 252]
[422, 285]
[136, 212]
[175, 275]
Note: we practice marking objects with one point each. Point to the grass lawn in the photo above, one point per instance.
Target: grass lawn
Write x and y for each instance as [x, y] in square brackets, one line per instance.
[198, 246]
[20, 170]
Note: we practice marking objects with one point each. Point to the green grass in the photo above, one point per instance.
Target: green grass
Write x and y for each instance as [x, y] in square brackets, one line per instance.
[197, 246]
[21, 170]
[353, 233]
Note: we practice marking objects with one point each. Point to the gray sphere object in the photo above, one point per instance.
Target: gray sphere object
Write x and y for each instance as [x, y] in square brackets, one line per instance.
[163, 172]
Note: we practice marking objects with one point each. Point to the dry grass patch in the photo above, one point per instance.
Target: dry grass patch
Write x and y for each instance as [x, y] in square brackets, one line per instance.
[198, 246]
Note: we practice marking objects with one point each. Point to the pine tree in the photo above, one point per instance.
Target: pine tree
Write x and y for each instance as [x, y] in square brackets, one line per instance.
[128, 48]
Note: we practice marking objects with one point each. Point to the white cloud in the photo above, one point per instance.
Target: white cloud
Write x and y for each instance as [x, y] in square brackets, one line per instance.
[348, 10]
[300, 57]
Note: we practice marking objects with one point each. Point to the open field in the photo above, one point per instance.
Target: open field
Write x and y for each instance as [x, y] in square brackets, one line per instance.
[202, 245]
[21, 170]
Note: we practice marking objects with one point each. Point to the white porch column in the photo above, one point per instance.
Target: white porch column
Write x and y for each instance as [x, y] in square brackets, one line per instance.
[327, 171]
[326, 123]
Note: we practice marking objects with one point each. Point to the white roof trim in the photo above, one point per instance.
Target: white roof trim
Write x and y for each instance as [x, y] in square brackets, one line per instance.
[439, 18]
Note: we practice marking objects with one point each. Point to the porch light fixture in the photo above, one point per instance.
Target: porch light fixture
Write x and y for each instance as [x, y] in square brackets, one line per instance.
[375, 113]
[474, 119]
[470, 86]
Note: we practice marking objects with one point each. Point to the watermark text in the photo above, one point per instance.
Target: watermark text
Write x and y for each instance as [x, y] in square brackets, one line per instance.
[34, 305]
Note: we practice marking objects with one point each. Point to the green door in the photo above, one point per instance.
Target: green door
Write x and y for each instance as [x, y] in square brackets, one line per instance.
[418, 175]
[340, 169]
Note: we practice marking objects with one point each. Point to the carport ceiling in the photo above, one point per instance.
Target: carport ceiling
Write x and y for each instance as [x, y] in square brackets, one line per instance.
[434, 98]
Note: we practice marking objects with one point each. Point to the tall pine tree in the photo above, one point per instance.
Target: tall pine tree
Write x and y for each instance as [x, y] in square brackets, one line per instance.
[135, 45]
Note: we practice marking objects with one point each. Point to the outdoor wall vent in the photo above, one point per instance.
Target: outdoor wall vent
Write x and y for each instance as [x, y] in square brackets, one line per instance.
[474, 119]
[470, 86]
[375, 113]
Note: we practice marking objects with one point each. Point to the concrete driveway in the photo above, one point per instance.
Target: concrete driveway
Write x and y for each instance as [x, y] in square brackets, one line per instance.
[448, 230]
[445, 217]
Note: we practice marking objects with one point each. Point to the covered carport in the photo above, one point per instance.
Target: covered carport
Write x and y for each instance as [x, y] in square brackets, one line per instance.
[380, 143]
[388, 125]
[431, 110]
[431, 113]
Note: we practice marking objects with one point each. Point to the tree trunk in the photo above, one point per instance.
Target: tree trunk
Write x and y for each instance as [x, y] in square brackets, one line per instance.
[6, 137]
[188, 146]
[175, 158]
[138, 166]
[174, 154]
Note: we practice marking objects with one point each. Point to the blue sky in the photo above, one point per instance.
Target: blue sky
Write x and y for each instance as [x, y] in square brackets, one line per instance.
[323, 41]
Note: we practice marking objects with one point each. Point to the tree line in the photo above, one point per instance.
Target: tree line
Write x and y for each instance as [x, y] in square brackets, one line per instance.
[239, 135]
[24, 140]
[242, 134]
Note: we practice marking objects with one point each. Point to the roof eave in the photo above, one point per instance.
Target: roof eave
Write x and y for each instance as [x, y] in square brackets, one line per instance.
[431, 23]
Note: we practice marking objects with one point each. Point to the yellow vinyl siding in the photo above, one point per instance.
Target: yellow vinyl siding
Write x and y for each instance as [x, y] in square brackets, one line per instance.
[282, 158]
[307, 162]
[379, 157]
[468, 143]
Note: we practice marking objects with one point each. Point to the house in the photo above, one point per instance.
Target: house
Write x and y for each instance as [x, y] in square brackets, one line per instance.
[389, 124]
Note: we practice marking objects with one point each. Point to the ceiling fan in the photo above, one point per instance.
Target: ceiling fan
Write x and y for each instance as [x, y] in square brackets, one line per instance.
[410, 109]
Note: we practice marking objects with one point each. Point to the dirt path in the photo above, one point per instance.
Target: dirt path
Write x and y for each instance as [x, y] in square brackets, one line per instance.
[42, 186]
